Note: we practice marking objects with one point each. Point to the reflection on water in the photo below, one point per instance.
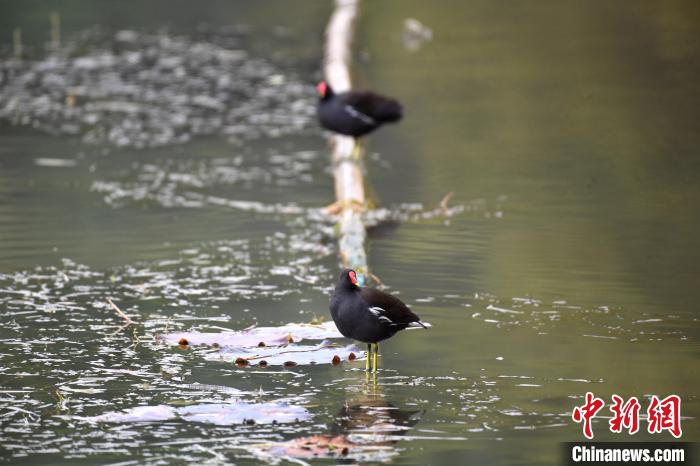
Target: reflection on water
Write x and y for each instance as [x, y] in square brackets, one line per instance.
[374, 416]
[366, 428]
[565, 262]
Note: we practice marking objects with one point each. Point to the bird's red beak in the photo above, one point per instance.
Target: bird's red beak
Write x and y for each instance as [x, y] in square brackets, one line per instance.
[322, 88]
[353, 278]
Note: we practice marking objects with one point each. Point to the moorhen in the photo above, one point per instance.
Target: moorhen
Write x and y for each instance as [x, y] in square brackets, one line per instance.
[355, 113]
[369, 315]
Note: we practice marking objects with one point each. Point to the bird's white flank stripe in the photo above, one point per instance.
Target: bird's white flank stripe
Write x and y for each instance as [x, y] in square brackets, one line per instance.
[359, 115]
[419, 325]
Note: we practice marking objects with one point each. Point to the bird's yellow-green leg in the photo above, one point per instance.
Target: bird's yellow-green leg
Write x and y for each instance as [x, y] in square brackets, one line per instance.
[369, 357]
[356, 150]
[374, 356]
[372, 377]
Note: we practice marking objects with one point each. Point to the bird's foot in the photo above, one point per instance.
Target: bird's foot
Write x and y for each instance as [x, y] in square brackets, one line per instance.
[333, 209]
[338, 206]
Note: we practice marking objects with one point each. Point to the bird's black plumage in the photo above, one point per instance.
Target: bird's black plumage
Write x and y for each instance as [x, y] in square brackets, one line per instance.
[366, 314]
[355, 113]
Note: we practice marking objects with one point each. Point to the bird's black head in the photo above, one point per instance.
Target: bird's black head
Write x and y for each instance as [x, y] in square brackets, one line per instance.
[324, 90]
[348, 280]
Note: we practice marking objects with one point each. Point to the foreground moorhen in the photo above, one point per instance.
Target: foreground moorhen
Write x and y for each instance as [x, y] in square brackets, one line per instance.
[369, 315]
[355, 113]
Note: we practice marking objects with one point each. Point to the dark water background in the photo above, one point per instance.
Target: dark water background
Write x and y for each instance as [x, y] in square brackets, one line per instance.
[567, 130]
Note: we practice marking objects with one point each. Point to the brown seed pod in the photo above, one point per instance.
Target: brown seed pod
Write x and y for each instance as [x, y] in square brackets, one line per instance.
[289, 364]
[261, 344]
[215, 345]
[336, 360]
[241, 362]
[183, 341]
[352, 357]
[262, 363]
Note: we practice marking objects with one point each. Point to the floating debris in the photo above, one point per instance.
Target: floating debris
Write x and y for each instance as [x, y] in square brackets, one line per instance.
[253, 337]
[415, 34]
[213, 413]
[275, 346]
[292, 355]
[54, 163]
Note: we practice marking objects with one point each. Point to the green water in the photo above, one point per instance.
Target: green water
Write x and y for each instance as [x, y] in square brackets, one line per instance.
[567, 130]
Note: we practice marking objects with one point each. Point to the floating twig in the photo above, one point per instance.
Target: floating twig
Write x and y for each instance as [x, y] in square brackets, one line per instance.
[121, 314]
[377, 280]
[445, 201]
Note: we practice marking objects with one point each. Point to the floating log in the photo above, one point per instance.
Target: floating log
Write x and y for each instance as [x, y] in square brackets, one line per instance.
[347, 170]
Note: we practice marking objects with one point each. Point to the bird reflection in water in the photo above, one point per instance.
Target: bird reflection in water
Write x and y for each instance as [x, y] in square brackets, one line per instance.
[366, 428]
[374, 420]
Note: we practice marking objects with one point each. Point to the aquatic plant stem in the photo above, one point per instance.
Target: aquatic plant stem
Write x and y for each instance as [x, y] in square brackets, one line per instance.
[121, 314]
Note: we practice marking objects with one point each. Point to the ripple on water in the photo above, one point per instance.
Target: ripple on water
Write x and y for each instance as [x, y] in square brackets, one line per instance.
[143, 90]
[601, 322]
[66, 354]
[200, 182]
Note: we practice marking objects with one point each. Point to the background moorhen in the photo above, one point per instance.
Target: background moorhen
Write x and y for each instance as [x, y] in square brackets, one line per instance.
[369, 315]
[355, 113]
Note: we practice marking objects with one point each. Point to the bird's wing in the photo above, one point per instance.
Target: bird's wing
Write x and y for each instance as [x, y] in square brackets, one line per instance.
[363, 101]
[387, 308]
[359, 115]
[374, 106]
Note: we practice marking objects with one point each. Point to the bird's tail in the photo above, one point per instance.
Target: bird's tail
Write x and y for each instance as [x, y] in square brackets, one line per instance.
[388, 111]
[419, 324]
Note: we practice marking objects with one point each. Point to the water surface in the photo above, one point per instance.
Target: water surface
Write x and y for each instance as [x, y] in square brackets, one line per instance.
[568, 133]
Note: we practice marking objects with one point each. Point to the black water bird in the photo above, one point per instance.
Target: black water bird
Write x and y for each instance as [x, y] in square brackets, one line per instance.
[369, 315]
[355, 113]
